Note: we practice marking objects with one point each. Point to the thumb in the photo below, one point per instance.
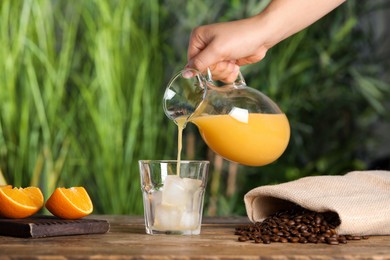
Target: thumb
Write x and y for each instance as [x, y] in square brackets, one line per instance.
[204, 59]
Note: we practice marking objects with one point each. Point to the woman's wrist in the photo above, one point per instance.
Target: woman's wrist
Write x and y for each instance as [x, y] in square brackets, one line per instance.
[283, 18]
[267, 30]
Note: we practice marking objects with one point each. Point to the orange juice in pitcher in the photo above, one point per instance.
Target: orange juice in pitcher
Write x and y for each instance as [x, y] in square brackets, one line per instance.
[257, 142]
[237, 122]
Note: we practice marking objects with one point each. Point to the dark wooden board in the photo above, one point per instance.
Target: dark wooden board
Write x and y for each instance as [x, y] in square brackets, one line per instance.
[48, 226]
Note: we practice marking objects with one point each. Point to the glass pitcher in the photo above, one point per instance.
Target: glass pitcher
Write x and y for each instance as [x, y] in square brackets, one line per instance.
[237, 122]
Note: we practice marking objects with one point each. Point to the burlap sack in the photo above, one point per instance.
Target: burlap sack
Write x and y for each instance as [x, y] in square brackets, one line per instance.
[360, 198]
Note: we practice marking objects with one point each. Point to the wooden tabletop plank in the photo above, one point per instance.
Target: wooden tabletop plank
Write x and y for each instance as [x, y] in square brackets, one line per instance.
[127, 240]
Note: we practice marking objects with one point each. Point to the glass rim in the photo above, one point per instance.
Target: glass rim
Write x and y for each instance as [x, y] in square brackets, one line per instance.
[173, 161]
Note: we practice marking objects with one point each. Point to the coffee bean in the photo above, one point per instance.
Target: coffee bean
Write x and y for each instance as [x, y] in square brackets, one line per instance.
[258, 240]
[302, 240]
[243, 238]
[342, 239]
[295, 225]
[294, 239]
[318, 220]
[290, 223]
[332, 241]
[275, 238]
[321, 239]
[266, 241]
[283, 240]
[356, 237]
[294, 232]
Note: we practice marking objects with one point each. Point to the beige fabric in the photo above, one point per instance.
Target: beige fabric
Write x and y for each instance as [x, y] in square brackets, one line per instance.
[360, 198]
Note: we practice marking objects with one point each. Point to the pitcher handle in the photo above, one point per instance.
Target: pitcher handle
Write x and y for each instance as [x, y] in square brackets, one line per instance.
[240, 81]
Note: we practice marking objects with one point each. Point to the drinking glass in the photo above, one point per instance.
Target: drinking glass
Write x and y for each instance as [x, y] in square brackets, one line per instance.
[173, 195]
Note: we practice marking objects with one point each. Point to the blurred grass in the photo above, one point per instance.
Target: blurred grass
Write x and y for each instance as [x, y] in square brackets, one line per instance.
[79, 99]
[81, 85]
[33, 84]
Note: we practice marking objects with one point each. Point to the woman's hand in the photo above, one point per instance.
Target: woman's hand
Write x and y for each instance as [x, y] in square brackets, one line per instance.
[224, 47]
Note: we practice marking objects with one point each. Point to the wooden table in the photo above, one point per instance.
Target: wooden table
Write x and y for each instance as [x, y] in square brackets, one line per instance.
[127, 240]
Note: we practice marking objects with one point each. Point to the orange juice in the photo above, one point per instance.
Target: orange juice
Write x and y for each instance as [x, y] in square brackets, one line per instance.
[258, 140]
[181, 124]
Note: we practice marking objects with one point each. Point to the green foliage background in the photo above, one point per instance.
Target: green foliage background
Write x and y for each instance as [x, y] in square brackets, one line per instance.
[81, 84]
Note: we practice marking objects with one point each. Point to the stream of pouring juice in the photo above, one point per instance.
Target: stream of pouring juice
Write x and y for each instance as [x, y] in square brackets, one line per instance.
[181, 124]
[257, 142]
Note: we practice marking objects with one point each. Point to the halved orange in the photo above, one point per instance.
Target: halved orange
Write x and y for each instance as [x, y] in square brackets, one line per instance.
[70, 203]
[20, 202]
